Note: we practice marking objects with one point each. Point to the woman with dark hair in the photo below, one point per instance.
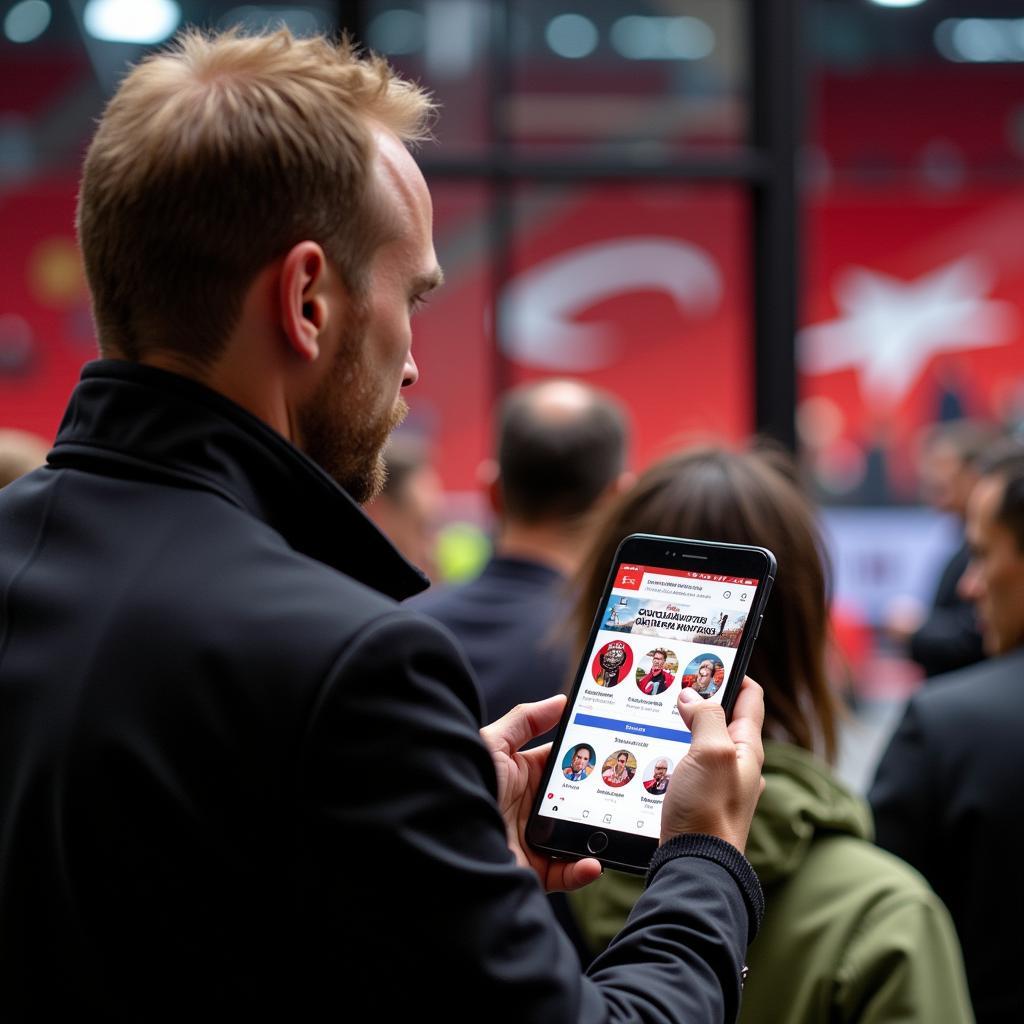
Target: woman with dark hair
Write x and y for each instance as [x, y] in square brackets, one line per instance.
[851, 933]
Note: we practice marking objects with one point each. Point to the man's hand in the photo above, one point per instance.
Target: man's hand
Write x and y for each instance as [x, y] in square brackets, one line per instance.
[714, 789]
[519, 774]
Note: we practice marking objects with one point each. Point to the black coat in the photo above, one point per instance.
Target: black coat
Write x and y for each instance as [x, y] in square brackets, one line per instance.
[236, 779]
[949, 798]
[507, 620]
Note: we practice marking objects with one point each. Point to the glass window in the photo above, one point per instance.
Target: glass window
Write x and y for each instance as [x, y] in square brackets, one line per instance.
[642, 290]
[641, 80]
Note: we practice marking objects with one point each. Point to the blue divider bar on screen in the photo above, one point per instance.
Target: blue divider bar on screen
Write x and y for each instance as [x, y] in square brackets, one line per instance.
[636, 728]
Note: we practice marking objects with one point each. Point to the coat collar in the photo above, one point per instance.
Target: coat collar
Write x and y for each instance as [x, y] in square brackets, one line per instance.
[138, 421]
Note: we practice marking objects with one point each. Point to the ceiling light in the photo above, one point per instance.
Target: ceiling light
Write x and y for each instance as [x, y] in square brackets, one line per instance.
[641, 37]
[981, 40]
[897, 3]
[131, 21]
[571, 36]
[27, 21]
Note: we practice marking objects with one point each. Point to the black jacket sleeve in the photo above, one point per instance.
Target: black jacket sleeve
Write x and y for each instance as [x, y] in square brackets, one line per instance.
[947, 640]
[949, 637]
[406, 870]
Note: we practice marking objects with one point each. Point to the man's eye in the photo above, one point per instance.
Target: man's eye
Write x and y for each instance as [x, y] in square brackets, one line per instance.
[418, 302]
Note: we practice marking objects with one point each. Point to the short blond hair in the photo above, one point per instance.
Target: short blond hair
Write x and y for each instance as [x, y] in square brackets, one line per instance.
[216, 156]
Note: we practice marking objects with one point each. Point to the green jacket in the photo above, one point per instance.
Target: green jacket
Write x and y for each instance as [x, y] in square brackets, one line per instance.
[851, 933]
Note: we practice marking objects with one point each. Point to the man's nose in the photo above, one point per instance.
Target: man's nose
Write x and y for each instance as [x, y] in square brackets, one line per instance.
[410, 373]
[967, 586]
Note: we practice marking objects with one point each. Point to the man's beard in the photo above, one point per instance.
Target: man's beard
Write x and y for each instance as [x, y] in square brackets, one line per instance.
[340, 428]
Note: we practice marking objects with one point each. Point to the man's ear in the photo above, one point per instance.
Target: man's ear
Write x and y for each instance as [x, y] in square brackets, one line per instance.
[302, 291]
[622, 483]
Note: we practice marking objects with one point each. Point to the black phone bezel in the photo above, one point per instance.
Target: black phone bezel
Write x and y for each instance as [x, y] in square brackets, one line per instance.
[627, 851]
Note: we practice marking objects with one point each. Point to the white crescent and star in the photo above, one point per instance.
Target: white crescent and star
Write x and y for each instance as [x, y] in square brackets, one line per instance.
[888, 330]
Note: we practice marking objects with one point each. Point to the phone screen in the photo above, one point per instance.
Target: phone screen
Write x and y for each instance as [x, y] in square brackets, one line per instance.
[660, 630]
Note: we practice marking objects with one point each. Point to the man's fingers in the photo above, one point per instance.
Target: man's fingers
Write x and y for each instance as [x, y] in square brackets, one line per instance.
[536, 757]
[699, 717]
[523, 723]
[749, 706]
[570, 875]
[747, 715]
[747, 720]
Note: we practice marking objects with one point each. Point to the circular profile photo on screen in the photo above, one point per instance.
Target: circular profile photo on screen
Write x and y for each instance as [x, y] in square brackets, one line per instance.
[656, 671]
[578, 762]
[619, 768]
[704, 675]
[656, 775]
[612, 663]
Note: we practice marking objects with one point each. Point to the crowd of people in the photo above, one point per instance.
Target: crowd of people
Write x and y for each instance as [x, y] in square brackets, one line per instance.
[203, 635]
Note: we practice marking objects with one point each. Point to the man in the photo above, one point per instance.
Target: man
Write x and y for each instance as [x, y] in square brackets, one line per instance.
[200, 634]
[561, 451]
[946, 636]
[618, 773]
[20, 453]
[949, 789]
[408, 509]
[580, 766]
[657, 785]
[657, 679]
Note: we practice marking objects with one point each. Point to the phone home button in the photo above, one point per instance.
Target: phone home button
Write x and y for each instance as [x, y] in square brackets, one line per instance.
[597, 842]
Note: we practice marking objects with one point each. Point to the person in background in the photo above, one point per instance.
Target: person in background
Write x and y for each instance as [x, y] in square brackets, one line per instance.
[950, 787]
[850, 932]
[408, 509]
[20, 453]
[561, 453]
[946, 636]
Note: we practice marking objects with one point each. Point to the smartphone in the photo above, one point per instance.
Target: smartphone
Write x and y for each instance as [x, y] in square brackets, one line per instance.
[675, 614]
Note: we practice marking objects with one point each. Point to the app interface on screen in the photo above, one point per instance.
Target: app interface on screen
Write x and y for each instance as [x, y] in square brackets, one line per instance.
[661, 630]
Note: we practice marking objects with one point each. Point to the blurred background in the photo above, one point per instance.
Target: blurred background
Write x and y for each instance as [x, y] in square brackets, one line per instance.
[797, 217]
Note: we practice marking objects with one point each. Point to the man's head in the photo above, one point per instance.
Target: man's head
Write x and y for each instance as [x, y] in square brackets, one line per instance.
[660, 769]
[409, 506]
[248, 211]
[580, 759]
[658, 657]
[994, 579]
[947, 465]
[561, 448]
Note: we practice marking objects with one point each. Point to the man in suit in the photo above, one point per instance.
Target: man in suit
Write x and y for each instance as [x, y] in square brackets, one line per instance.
[946, 636]
[561, 452]
[949, 790]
